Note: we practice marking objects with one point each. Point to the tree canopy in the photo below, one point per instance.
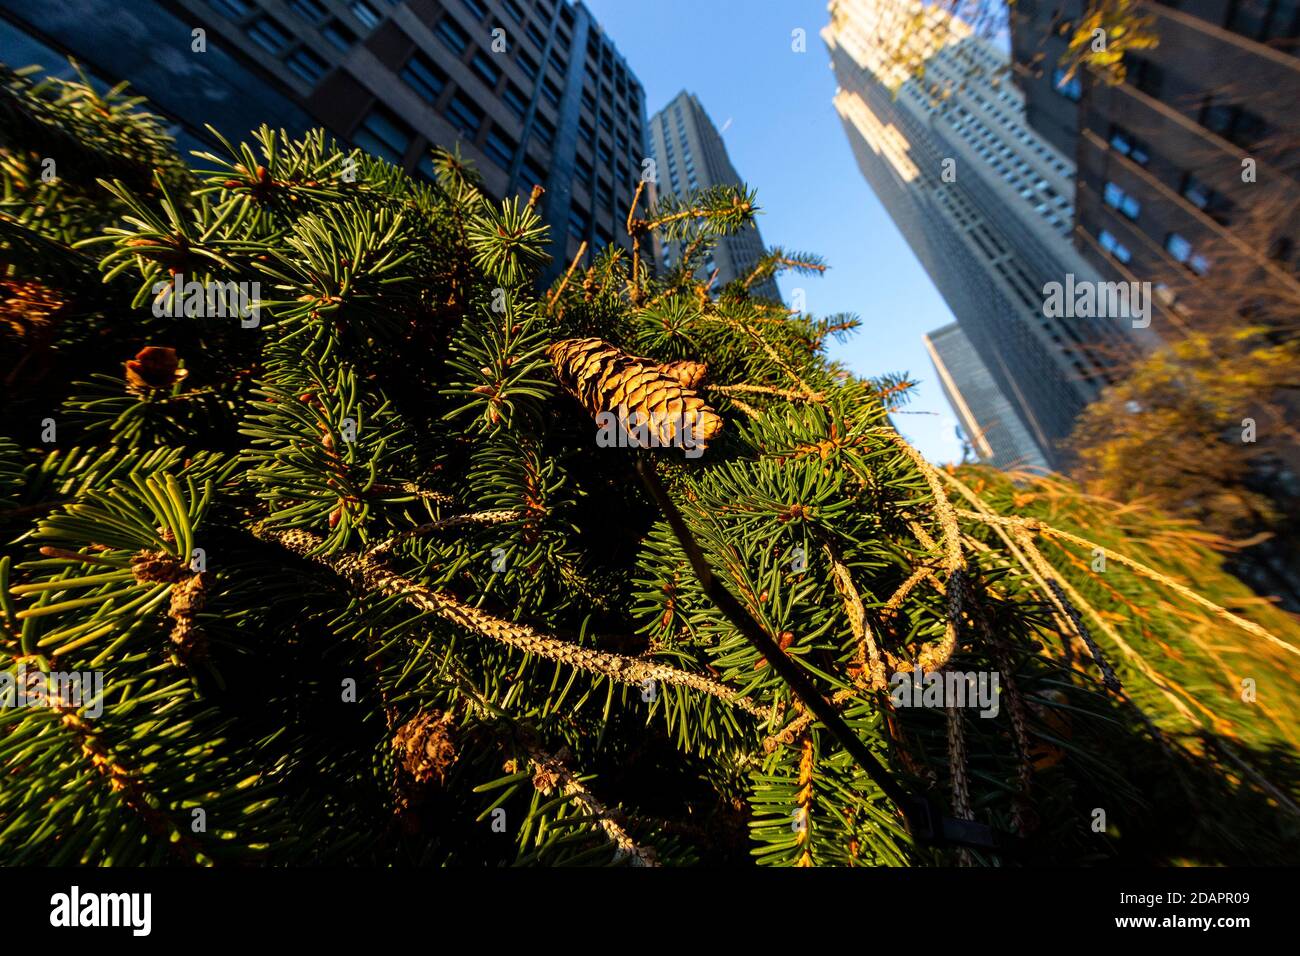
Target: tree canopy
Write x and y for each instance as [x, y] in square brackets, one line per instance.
[359, 583]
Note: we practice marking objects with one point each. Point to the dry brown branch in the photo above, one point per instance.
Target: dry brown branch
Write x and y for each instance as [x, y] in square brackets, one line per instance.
[869, 656]
[555, 296]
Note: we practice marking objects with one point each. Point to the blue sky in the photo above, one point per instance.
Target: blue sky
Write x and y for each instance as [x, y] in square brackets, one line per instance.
[786, 141]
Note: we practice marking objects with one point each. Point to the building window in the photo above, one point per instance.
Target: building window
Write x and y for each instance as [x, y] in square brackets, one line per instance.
[365, 13]
[464, 115]
[1196, 192]
[1117, 198]
[422, 76]
[1124, 142]
[1164, 295]
[476, 8]
[1238, 126]
[516, 12]
[1269, 19]
[551, 91]
[527, 64]
[1181, 250]
[513, 97]
[235, 9]
[306, 64]
[1114, 246]
[450, 33]
[269, 35]
[1178, 247]
[500, 148]
[1071, 89]
[543, 131]
[530, 174]
[383, 135]
[487, 71]
[339, 35]
[536, 36]
[579, 223]
[309, 10]
[1144, 74]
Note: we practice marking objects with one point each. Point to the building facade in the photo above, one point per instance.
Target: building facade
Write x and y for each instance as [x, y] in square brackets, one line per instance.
[990, 427]
[984, 201]
[1189, 169]
[1189, 180]
[530, 90]
[689, 155]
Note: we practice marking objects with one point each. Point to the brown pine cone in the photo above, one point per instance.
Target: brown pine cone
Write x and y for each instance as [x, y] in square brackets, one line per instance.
[425, 746]
[639, 391]
[688, 374]
[154, 367]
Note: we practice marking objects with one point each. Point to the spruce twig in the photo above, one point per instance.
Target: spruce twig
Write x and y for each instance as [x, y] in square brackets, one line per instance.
[370, 577]
[914, 810]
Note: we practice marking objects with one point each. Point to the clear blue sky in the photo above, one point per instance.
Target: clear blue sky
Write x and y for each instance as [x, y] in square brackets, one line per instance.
[785, 139]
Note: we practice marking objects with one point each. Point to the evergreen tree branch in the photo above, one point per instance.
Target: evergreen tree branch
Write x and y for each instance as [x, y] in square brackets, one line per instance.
[482, 518]
[869, 655]
[370, 577]
[916, 810]
[785, 393]
[550, 773]
[1042, 572]
[1034, 525]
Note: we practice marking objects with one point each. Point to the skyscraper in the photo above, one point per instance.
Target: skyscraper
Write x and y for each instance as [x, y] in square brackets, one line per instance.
[984, 202]
[991, 427]
[689, 154]
[532, 92]
[1189, 170]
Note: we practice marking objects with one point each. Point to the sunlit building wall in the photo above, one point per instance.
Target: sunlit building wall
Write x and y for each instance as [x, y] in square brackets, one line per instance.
[985, 202]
